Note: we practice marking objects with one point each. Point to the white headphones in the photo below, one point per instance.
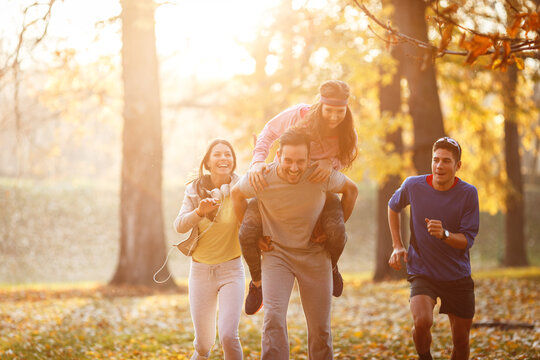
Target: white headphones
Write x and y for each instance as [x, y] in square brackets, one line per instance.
[221, 193]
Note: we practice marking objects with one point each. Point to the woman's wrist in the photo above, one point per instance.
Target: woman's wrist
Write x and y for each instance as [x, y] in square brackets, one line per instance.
[198, 212]
[255, 163]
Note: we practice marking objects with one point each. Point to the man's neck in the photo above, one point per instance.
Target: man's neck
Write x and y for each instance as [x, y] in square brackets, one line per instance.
[445, 186]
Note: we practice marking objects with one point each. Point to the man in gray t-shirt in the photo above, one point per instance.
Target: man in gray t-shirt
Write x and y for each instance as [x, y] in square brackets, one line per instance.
[290, 206]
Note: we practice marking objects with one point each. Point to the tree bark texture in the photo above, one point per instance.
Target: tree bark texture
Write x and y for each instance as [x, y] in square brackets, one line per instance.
[419, 70]
[390, 103]
[142, 237]
[515, 251]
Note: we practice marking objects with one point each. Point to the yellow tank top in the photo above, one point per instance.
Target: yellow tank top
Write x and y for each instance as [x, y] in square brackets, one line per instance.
[218, 240]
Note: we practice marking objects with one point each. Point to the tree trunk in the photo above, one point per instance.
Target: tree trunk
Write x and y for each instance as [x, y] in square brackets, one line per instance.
[142, 237]
[419, 70]
[515, 253]
[390, 104]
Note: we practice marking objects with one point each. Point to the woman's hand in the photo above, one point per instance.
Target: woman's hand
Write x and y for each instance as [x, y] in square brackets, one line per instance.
[256, 175]
[207, 205]
[322, 171]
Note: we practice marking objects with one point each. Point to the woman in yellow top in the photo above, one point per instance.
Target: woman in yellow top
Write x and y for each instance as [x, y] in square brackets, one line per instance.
[216, 274]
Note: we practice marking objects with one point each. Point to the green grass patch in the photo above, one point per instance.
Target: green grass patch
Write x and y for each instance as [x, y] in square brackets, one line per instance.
[529, 272]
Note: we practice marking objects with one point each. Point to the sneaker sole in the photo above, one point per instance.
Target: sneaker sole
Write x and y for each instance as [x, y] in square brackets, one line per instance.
[260, 307]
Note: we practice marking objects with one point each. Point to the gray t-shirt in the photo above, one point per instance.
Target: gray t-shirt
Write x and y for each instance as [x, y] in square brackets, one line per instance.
[289, 211]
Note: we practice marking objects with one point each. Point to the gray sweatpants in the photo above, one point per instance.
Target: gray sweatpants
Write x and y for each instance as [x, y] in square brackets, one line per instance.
[314, 276]
[209, 284]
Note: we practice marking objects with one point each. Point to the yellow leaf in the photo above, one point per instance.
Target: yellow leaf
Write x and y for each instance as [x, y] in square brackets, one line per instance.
[496, 63]
[519, 63]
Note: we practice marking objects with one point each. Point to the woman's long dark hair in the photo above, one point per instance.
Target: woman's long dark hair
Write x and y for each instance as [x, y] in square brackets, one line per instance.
[315, 123]
[203, 182]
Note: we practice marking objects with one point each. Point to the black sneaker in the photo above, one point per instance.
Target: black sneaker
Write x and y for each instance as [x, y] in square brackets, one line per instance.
[254, 299]
[337, 282]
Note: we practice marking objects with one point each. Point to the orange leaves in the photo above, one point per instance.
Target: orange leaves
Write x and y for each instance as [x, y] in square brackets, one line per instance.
[524, 21]
[370, 321]
[502, 57]
[532, 22]
[513, 30]
[519, 62]
[502, 49]
[446, 37]
[476, 46]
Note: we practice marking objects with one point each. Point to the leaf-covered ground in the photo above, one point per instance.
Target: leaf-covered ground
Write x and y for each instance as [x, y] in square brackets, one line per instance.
[370, 321]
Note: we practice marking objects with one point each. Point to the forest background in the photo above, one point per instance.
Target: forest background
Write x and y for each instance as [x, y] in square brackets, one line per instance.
[224, 73]
[106, 108]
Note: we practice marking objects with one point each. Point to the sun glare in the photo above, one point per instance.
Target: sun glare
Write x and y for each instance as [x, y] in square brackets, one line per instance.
[204, 38]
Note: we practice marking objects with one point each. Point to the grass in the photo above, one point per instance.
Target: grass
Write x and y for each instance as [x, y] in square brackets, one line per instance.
[370, 321]
[512, 273]
[58, 246]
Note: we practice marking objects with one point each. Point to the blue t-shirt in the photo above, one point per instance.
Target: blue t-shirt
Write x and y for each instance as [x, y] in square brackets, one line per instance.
[458, 210]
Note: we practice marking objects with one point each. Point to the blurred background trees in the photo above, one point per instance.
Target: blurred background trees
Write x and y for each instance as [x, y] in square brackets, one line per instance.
[61, 120]
[142, 235]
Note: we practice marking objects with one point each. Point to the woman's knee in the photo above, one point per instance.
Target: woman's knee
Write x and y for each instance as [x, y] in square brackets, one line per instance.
[229, 338]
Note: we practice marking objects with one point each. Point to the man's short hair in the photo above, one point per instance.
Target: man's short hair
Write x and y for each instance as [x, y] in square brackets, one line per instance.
[450, 145]
[294, 136]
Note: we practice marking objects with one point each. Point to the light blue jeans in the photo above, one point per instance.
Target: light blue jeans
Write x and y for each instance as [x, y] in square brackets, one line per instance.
[211, 286]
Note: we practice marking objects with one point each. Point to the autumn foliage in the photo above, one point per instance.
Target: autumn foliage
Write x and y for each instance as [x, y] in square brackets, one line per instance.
[522, 37]
[370, 321]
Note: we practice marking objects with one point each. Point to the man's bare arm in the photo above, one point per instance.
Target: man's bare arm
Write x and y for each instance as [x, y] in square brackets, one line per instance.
[239, 203]
[399, 251]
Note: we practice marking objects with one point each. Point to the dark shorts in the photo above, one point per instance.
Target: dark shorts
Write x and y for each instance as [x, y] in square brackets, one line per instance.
[457, 296]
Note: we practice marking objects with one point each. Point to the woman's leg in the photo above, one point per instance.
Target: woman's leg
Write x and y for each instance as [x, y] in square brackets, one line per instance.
[230, 298]
[336, 237]
[334, 227]
[249, 234]
[202, 301]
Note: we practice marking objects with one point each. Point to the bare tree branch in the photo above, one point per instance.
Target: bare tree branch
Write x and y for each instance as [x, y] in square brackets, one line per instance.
[511, 6]
[13, 61]
[393, 31]
[518, 46]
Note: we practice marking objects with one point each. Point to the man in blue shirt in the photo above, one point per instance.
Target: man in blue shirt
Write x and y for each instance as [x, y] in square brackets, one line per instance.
[444, 223]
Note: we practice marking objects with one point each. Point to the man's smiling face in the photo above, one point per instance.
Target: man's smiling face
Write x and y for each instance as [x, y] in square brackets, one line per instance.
[293, 162]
